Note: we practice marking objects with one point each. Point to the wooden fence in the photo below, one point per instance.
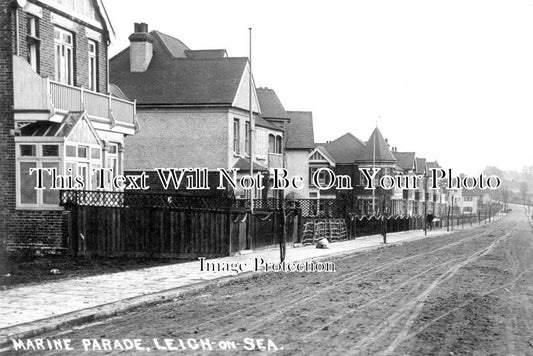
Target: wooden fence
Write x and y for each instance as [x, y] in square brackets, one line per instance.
[177, 231]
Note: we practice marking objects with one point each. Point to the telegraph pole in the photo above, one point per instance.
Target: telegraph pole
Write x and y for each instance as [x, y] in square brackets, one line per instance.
[251, 126]
[373, 170]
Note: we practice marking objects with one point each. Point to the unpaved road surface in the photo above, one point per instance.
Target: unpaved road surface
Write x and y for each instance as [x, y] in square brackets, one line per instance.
[467, 293]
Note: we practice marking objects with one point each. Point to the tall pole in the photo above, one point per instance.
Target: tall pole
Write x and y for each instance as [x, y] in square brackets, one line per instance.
[425, 205]
[251, 125]
[373, 170]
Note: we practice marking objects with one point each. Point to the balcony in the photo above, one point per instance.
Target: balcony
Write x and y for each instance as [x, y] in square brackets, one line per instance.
[68, 98]
[37, 98]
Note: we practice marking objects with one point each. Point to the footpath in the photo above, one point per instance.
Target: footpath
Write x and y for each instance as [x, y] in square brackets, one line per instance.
[30, 310]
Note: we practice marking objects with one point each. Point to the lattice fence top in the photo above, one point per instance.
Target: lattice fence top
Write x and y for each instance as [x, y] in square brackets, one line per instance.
[143, 200]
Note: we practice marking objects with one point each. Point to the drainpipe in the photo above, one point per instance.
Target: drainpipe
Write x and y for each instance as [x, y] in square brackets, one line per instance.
[17, 34]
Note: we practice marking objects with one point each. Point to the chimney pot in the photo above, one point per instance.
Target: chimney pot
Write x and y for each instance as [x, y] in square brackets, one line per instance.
[140, 27]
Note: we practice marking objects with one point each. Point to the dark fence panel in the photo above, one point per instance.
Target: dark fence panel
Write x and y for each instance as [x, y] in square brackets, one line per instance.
[172, 225]
[110, 231]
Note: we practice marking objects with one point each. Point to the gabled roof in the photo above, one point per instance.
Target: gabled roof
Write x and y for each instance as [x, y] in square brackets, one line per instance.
[430, 165]
[324, 153]
[476, 192]
[345, 149]
[271, 107]
[420, 165]
[61, 129]
[406, 160]
[107, 22]
[376, 148]
[174, 47]
[299, 133]
[174, 79]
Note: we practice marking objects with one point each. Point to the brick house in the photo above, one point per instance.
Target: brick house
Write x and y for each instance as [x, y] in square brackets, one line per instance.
[56, 112]
[345, 156]
[377, 153]
[435, 196]
[343, 152]
[407, 163]
[192, 107]
[421, 169]
[299, 143]
[273, 115]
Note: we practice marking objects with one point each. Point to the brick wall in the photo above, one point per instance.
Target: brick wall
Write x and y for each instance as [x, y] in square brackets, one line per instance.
[81, 50]
[7, 143]
[32, 230]
[167, 139]
[37, 232]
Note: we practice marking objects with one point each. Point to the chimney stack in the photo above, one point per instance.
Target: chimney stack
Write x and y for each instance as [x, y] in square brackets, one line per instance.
[141, 48]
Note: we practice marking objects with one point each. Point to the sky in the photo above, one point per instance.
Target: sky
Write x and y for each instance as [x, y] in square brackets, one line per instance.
[451, 80]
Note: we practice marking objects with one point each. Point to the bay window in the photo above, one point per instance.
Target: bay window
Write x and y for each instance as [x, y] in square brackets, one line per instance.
[36, 155]
[247, 138]
[236, 136]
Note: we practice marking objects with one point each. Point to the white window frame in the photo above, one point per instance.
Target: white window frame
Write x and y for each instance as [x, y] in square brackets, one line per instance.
[261, 143]
[32, 46]
[113, 158]
[92, 163]
[236, 136]
[38, 159]
[247, 138]
[321, 175]
[93, 65]
[63, 62]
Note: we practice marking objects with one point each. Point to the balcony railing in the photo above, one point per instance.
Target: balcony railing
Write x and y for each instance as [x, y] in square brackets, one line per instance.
[35, 94]
[69, 98]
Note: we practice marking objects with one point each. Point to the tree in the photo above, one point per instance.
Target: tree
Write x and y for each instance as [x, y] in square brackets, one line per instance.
[523, 191]
[505, 196]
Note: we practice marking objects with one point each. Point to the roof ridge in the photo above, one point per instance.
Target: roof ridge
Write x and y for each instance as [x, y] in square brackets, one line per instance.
[156, 34]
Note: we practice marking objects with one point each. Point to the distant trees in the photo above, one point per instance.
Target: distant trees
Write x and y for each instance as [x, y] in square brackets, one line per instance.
[523, 191]
[505, 196]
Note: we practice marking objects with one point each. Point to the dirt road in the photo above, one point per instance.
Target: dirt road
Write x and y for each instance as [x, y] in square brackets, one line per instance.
[468, 293]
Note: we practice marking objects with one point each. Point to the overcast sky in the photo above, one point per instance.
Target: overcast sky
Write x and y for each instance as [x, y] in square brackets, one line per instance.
[451, 80]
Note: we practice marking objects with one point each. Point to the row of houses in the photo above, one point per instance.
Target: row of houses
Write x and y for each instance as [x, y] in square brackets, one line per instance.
[158, 103]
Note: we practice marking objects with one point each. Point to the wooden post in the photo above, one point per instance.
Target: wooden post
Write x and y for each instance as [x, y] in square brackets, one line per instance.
[384, 228]
[229, 234]
[448, 220]
[283, 237]
[74, 227]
